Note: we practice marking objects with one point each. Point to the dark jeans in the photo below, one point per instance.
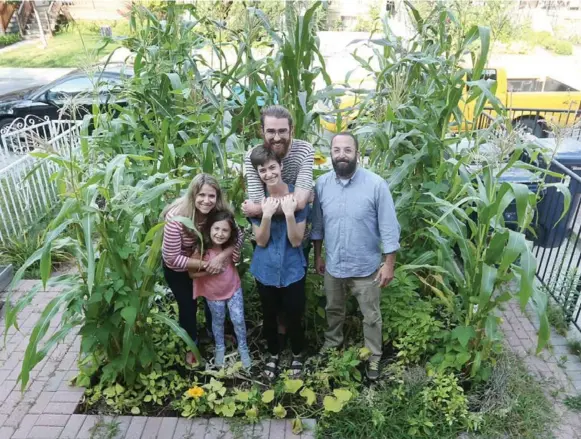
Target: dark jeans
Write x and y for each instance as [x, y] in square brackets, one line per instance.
[182, 288]
[291, 300]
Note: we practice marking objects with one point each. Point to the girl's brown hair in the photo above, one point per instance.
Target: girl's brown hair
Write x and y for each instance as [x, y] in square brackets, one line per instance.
[221, 215]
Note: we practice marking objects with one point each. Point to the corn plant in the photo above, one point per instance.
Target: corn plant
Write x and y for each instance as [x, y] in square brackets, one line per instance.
[112, 216]
[294, 67]
[456, 241]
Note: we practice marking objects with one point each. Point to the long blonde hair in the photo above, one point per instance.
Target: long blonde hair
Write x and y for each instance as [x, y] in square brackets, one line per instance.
[186, 205]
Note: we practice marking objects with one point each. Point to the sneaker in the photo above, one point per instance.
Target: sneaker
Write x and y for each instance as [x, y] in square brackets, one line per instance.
[245, 358]
[219, 357]
[372, 370]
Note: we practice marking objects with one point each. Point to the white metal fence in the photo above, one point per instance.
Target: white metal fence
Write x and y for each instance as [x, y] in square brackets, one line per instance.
[27, 191]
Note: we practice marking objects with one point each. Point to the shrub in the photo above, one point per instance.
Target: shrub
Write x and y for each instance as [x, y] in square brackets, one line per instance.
[558, 319]
[7, 40]
[563, 48]
[16, 251]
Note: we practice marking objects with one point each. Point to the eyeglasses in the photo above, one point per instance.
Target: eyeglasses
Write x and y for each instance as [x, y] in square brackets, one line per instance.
[271, 133]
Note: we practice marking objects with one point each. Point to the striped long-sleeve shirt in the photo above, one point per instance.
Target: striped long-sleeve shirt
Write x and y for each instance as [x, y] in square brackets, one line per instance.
[179, 244]
[297, 169]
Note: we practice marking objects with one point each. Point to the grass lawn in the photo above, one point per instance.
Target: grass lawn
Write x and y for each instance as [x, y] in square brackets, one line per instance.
[69, 49]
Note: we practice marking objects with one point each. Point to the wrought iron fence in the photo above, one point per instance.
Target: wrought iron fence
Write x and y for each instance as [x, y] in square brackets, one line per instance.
[539, 122]
[25, 134]
[27, 191]
[558, 244]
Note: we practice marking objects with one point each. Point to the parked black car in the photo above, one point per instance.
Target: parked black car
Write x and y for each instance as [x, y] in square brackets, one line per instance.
[48, 101]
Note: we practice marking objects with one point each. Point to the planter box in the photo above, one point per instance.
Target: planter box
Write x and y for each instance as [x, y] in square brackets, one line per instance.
[5, 276]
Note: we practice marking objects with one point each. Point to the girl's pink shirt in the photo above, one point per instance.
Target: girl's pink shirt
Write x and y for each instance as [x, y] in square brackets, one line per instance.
[217, 286]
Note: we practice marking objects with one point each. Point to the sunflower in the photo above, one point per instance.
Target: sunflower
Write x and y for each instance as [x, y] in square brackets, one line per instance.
[195, 392]
[320, 159]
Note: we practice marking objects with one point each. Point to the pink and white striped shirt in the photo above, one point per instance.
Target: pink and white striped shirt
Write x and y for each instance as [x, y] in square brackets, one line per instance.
[179, 244]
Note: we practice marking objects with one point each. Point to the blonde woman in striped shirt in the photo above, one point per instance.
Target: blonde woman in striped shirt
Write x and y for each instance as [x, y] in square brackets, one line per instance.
[204, 196]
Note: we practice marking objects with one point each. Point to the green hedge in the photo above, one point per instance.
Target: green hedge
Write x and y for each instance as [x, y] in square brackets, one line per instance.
[7, 40]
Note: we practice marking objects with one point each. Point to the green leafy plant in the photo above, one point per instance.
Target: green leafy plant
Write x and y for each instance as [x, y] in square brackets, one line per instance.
[558, 319]
[7, 40]
[574, 347]
[16, 251]
[573, 402]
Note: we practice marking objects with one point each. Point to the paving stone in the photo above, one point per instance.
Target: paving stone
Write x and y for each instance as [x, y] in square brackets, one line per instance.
[48, 369]
[573, 364]
[136, 427]
[67, 396]
[10, 402]
[214, 430]
[2, 419]
[122, 426]
[198, 428]
[289, 431]
[41, 403]
[25, 426]
[558, 340]
[262, 429]
[167, 428]
[4, 376]
[73, 426]
[17, 415]
[6, 432]
[45, 432]
[65, 383]
[53, 420]
[277, 429]
[55, 380]
[60, 408]
[310, 427]
[151, 428]
[85, 430]
[183, 428]
[559, 350]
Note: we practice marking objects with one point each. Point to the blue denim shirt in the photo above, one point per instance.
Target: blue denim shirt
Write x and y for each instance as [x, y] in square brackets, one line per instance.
[356, 218]
[279, 264]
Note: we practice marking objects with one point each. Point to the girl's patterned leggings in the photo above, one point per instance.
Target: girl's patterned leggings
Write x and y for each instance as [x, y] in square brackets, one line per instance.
[236, 309]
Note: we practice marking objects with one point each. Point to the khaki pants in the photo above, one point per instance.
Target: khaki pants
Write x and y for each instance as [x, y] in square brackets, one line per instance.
[367, 293]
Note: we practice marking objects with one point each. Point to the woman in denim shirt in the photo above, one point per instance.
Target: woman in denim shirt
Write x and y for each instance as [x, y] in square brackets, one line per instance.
[278, 263]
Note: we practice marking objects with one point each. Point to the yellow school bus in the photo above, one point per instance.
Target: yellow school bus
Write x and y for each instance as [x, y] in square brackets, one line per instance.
[532, 102]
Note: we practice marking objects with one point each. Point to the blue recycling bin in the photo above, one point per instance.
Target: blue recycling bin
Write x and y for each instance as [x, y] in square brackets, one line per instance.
[567, 160]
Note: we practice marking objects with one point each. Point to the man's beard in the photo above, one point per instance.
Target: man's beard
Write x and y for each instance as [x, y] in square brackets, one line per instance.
[344, 167]
[280, 147]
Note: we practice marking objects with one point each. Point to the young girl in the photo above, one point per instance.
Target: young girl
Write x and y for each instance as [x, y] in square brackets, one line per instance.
[224, 288]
